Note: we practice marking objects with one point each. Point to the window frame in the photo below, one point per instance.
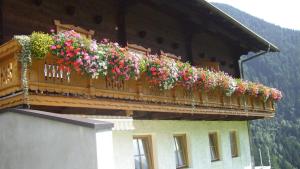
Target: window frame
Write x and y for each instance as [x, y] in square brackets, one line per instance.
[214, 147]
[149, 150]
[237, 153]
[183, 140]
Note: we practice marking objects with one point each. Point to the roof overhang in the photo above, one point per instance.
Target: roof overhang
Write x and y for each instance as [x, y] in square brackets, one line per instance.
[268, 45]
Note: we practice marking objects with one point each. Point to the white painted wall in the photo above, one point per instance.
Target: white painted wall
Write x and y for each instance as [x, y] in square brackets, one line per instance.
[198, 143]
[28, 142]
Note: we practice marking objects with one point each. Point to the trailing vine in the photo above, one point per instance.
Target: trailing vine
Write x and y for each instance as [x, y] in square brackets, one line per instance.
[25, 59]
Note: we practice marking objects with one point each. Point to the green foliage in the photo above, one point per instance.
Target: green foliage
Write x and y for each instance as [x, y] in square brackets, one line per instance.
[40, 44]
[281, 70]
[25, 59]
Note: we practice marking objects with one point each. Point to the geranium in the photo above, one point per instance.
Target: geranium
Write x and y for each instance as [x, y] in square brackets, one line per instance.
[241, 87]
[108, 59]
[226, 83]
[206, 79]
[187, 75]
[121, 65]
[80, 54]
[264, 92]
[162, 72]
[275, 94]
[253, 89]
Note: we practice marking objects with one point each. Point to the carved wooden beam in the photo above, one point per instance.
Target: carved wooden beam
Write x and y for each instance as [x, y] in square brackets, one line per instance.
[1, 22]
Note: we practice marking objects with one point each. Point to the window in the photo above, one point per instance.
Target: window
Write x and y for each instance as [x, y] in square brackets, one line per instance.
[233, 144]
[180, 151]
[142, 152]
[214, 146]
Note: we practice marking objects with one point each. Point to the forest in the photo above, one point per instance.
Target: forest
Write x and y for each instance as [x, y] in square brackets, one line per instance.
[281, 135]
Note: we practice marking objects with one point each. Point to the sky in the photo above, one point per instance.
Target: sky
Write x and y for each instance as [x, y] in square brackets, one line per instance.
[285, 13]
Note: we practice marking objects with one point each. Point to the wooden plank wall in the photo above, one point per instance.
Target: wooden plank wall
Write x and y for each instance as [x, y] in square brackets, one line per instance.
[25, 16]
[163, 32]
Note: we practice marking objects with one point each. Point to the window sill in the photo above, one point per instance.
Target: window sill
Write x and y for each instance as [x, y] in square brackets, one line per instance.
[215, 160]
[183, 167]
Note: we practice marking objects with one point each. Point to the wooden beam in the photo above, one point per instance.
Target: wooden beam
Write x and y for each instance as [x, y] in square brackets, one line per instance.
[188, 32]
[121, 22]
[1, 23]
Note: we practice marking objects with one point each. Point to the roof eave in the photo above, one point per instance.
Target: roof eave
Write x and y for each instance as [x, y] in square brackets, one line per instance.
[269, 46]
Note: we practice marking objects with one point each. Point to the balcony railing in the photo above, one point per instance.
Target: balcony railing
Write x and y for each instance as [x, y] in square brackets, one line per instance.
[50, 86]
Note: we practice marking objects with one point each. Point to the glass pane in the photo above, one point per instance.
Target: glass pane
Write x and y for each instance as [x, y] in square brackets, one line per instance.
[145, 162]
[135, 147]
[212, 154]
[137, 162]
[233, 143]
[142, 146]
[211, 142]
[179, 143]
[175, 143]
[180, 151]
[180, 159]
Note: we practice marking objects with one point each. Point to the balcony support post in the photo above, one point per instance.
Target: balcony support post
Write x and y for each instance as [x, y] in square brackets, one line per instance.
[188, 32]
[121, 22]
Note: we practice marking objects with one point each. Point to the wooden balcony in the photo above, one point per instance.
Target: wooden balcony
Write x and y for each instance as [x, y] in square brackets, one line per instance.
[51, 87]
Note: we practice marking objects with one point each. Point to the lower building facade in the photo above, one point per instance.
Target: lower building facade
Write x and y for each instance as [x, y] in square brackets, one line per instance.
[43, 140]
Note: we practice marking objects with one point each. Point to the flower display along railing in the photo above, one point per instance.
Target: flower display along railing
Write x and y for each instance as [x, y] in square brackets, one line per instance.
[64, 67]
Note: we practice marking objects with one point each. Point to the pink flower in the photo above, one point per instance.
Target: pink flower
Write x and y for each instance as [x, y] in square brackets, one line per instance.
[53, 47]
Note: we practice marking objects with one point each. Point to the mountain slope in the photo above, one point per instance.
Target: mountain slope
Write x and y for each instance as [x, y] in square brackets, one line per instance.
[281, 70]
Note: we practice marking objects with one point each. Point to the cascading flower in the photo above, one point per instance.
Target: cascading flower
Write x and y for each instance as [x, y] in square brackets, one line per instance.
[275, 94]
[206, 79]
[162, 72]
[241, 87]
[187, 75]
[121, 65]
[78, 53]
[253, 89]
[264, 92]
[109, 60]
[226, 83]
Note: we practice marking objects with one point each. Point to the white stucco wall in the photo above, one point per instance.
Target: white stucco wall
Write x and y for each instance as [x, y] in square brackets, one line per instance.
[197, 139]
[28, 142]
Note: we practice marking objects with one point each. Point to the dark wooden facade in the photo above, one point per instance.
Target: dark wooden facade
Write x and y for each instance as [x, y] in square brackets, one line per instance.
[185, 29]
[192, 29]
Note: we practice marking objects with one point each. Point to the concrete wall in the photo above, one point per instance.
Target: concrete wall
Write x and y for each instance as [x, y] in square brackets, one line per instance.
[28, 142]
[197, 140]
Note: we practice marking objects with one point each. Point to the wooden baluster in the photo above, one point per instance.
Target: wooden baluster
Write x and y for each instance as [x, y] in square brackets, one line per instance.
[68, 76]
[57, 72]
[10, 71]
[53, 72]
[61, 73]
[49, 71]
[45, 71]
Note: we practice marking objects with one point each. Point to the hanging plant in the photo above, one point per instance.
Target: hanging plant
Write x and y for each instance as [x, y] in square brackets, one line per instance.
[25, 59]
[40, 44]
